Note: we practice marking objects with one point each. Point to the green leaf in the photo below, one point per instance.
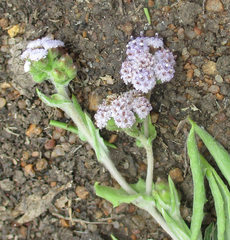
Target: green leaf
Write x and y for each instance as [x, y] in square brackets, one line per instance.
[211, 232]
[199, 198]
[146, 11]
[224, 193]
[115, 196]
[99, 145]
[56, 100]
[113, 238]
[119, 196]
[78, 108]
[219, 204]
[218, 152]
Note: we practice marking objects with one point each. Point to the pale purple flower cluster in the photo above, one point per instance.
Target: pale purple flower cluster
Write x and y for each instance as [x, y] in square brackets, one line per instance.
[142, 68]
[38, 49]
[122, 109]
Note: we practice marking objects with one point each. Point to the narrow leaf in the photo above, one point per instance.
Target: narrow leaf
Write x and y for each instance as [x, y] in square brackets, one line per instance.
[211, 232]
[219, 204]
[218, 152]
[146, 11]
[199, 198]
[55, 101]
[225, 195]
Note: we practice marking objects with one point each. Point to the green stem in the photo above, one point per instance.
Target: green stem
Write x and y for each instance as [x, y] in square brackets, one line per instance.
[150, 159]
[143, 204]
[106, 160]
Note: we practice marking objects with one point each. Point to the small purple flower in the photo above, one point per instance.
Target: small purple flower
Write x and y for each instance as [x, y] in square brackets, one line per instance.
[37, 49]
[142, 68]
[122, 109]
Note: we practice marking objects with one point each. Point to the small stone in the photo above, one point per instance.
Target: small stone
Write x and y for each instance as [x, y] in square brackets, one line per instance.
[53, 184]
[3, 23]
[29, 170]
[106, 207]
[180, 33]
[41, 164]
[13, 31]
[25, 155]
[92, 227]
[23, 231]
[113, 138]
[2, 102]
[196, 72]
[98, 214]
[64, 223]
[94, 101]
[58, 151]
[35, 154]
[82, 192]
[209, 68]
[151, 3]
[72, 138]
[190, 74]
[214, 6]
[139, 221]
[19, 177]
[176, 175]
[127, 28]
[214, 89]
[22, 104]
[219, 96]
[6, 185]
[218, 78]
[56, 135]
[33, 130]
[66, 146]
[49, 144]
[154, 117]
[220, 117]
[197, 30]
[61, 202]
[5, 85]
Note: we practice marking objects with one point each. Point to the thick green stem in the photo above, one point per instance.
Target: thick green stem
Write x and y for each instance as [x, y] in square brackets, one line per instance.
[105, 159]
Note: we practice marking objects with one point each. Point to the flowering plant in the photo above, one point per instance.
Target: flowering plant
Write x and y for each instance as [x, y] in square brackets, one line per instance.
[147, 64]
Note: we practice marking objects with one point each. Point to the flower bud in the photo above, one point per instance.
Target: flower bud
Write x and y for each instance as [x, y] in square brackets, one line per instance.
[58, 76]
[71, 71]
[40, 77]
[41, 64]
[64, 62]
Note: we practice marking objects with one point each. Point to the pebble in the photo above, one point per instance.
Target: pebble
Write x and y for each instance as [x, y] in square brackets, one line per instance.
[113, 138]
[6, 185]
[13, 31]
[72, 138]
[53, 184]
[64, 223]
[41, 164]
[33, 130]
[106, 207]
[61, 202]
[176, 175]
[2, 102]
[4, 23]
[92, 227]
[196, 72]
[49, 144]
[139, 221]
[56, 135]
[127, 28]
[209, 68]
[219, 96]
[218, 78]
[154, 117]
[66, 146]
[190, 74]
[197, 30]
[98, 214]
[19, 177]
[94, 101]
[5, 85]
[214, 89]
[220, 117]
[82, 192]
[35, 154]
[180, 33]
[29, 170]
[214, 6]
[58, 151]
[25, 155]
[22, 104]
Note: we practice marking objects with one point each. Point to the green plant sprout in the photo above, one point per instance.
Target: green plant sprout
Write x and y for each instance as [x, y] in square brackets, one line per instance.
[129, 112]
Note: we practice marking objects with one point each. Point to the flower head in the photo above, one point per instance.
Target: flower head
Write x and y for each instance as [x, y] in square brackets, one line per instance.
[142, 68]
[123, 109]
